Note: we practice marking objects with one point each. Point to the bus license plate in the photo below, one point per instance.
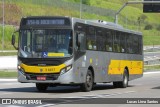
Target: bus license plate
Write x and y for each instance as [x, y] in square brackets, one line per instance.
[41, 78]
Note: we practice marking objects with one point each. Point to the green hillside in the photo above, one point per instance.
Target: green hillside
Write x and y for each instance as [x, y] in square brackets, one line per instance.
[132, 11]
[15, 9]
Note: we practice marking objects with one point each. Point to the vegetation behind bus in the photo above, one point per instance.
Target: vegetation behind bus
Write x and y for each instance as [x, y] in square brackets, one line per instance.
[19, 9]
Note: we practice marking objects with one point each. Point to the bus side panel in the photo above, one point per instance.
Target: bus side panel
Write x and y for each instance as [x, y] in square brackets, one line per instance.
[80, 68]
[98, 60]
[108, 67]
[133, 63]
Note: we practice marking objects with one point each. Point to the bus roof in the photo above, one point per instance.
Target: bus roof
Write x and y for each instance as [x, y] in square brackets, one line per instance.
[109, 25]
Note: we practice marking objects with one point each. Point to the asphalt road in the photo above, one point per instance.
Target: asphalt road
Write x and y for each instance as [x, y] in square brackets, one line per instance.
[146, 87]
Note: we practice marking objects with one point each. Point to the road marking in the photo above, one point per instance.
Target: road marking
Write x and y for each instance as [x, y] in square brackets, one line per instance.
[6, 93]
[84, 97]
[46, 105]
[8, 79]
[101, 95]
[1, 105]
[114, 94]
[154, 72]
[11, 84]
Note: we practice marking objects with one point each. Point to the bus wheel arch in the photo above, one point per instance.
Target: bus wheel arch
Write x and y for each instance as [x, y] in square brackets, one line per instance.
[92, 70]
[89, 81]
[127, 71]
[124, 82]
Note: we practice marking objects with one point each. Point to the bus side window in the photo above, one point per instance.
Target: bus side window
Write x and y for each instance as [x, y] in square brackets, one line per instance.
[80, 41]
[123, 42]
[116, 43]
[108, 41]
[89, 44]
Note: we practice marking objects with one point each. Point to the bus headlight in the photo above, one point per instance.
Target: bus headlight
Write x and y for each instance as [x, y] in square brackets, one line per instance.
[66, 69]
[21, 69]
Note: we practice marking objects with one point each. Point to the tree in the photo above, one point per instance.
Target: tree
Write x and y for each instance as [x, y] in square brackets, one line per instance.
[77, 1]
[87, 2]
[158, 28]
[143, 17]
[148, 27]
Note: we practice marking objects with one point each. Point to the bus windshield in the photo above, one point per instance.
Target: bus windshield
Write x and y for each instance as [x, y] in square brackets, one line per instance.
[45, 43]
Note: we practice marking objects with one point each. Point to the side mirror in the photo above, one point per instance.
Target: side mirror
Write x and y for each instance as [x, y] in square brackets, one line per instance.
[13, 42]
[13, 39]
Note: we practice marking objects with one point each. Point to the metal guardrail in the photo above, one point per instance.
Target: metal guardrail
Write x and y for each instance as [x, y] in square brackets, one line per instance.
[152, 62]
[151, 55]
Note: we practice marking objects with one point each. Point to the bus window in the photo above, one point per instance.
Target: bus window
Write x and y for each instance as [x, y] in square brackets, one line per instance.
[26, 41]
[109, 41]
[135, 44]
[116, 46]
[52, 43]
[101, 38]
[91, 39]
[129, 40]
[140, 45]
[80, 41]
[122, 43]
[39, 43]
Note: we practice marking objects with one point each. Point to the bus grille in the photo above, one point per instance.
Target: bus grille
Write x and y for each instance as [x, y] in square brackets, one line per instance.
[31, 76]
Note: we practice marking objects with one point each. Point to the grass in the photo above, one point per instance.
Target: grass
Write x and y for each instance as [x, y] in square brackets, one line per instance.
[8, 74]
[152, 67]
[8, 30]
[8, 53]
[151, 40]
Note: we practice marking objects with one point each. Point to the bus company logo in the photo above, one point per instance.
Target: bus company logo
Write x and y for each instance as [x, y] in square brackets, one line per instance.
[6, 101]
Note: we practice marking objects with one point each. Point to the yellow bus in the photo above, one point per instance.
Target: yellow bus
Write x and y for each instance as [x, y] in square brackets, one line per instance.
[56, 50]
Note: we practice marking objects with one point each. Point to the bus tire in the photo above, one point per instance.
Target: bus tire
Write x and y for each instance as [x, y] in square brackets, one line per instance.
[87, 86]
[124, 82]
[116, 84]
[42, 87]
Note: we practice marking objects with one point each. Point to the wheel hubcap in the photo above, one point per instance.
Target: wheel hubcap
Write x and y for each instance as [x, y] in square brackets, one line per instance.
[125, 80]
[89, 80]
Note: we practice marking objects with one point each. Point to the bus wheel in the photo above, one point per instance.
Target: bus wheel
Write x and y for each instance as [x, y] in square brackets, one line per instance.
[41, 87]
[124, 83]
[87, 86]
[116, 84]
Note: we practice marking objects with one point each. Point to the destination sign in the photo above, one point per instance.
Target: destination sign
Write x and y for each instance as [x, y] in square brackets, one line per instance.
[45, 21]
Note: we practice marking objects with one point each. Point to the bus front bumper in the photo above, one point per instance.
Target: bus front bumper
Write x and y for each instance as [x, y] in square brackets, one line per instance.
[66, 78]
